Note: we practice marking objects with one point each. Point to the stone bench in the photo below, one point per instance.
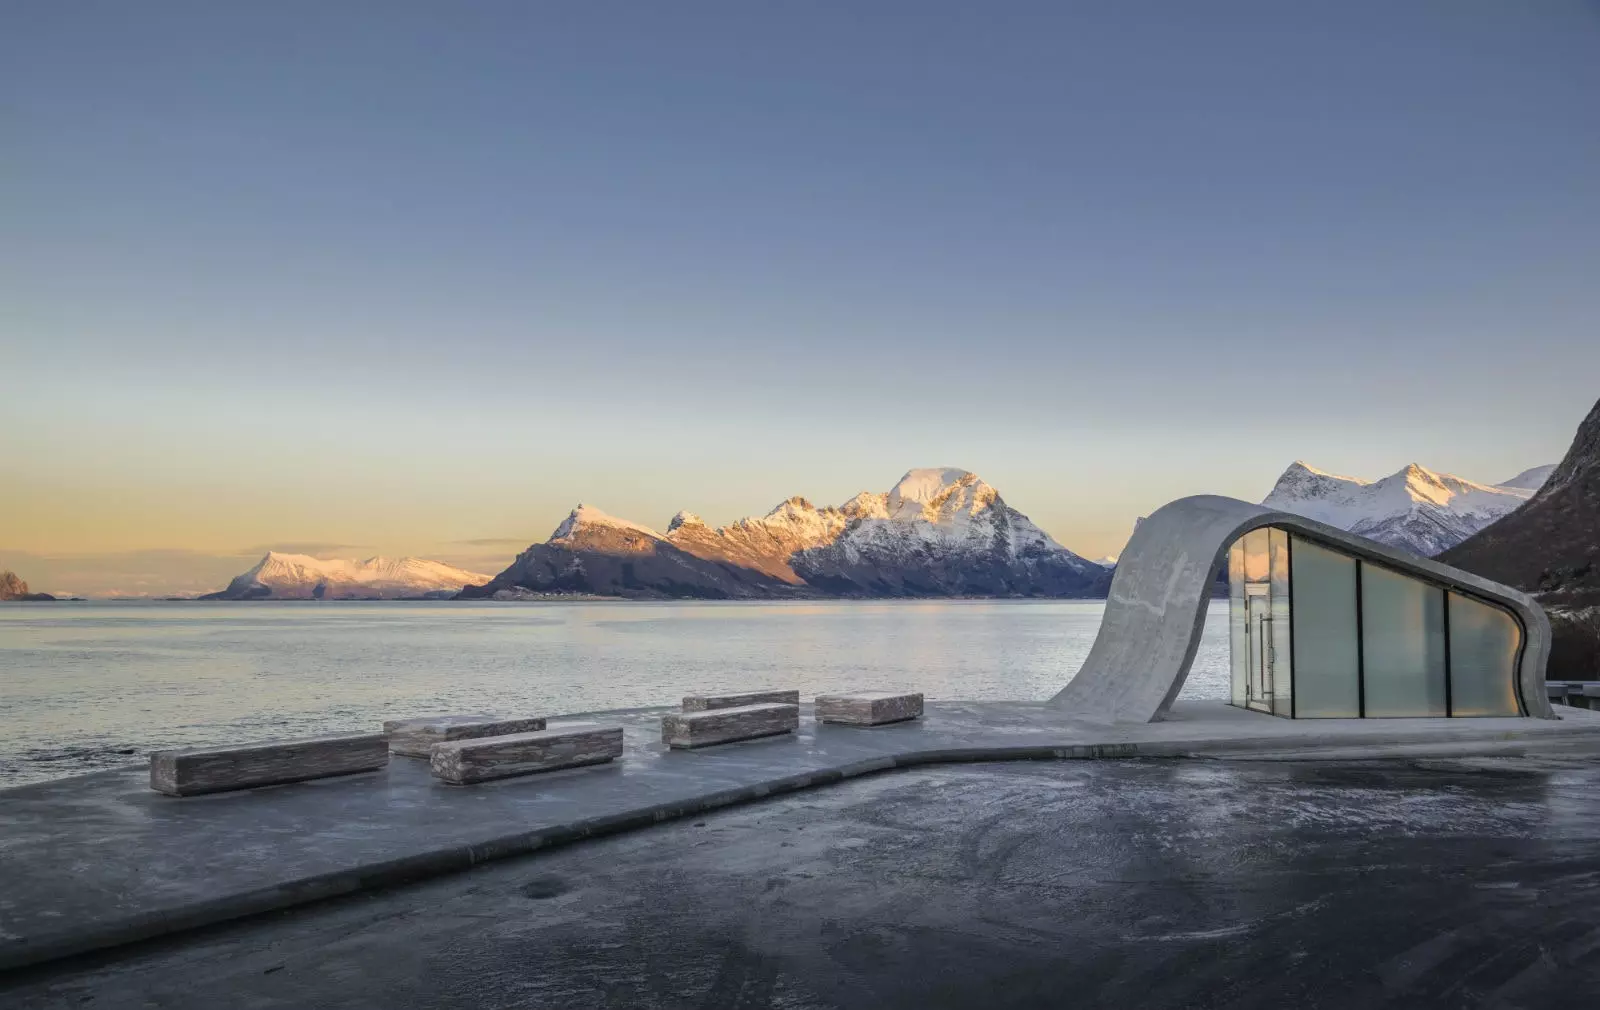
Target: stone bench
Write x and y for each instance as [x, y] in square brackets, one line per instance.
[867, 708]
[244, 766]
[573, 745]
[708, 702]
[683, 730]
[416, 737]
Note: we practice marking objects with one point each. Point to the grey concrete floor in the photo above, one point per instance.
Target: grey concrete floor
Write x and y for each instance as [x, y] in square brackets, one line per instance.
[1467, 882]
[99, 860]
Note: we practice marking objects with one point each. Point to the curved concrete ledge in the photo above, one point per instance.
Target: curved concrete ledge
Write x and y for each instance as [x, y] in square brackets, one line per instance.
[100, 861]
[1157, 606]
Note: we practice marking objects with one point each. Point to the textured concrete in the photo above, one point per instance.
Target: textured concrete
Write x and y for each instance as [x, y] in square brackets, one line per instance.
[416, 737]
[706, 702]
[100, 860]
[709, 727]
[566, 745]
[867, 708]
[1157, 607]
[1129, 884]
[200, 770]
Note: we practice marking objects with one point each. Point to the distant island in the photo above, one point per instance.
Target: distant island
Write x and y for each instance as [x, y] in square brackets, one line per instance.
[301, 577]
[14, 590]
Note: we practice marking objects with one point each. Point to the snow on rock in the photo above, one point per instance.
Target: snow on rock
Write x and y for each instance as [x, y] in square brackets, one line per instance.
[944, 532]
[1531, 479]
[597, 554]
[765, 543]
[586, 519]
[302, 577]
[938, 532]
[1414, 509]
[683, 519]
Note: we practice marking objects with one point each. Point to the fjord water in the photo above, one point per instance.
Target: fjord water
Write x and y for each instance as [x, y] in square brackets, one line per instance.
[85, 686]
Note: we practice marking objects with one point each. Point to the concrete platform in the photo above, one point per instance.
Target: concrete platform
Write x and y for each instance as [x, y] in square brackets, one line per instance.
[100, 860]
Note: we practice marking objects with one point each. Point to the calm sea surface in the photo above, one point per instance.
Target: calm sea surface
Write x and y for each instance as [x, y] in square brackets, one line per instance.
[86, 686]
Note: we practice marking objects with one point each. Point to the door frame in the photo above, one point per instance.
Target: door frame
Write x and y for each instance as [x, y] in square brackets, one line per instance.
[1259, 647]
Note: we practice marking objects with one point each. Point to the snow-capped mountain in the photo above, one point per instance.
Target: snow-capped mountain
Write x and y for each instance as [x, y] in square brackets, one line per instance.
[944, 532]
[597, 554]
[939, 532]
[1414, 509]
[767, 543]
[302, 577]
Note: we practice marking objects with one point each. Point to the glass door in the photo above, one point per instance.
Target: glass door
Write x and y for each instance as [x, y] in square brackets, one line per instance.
[1258, 633]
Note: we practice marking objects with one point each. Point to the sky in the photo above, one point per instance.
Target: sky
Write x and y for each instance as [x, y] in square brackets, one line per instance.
[417, 278]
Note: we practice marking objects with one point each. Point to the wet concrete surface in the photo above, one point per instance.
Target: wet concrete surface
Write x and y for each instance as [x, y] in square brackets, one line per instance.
[1468, 882]
[100, 860]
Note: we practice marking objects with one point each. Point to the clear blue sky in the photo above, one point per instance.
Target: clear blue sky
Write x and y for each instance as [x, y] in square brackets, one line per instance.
[391, 276]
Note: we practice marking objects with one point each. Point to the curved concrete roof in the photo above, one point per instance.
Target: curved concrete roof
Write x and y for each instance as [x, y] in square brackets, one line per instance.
[1162, 587]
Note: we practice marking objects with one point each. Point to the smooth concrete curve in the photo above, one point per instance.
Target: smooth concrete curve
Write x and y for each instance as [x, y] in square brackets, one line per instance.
[1159, 595]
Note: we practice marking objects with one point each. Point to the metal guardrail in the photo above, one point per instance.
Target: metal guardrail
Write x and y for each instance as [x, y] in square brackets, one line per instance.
[1576, 693]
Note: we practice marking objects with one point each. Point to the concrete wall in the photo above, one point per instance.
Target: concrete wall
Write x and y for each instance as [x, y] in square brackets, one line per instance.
[1162, 587]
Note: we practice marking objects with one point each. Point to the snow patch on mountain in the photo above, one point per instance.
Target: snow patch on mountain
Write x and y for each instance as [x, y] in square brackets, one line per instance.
[587, 518]
[766, 543]
[1531, 479]
[1414, 509]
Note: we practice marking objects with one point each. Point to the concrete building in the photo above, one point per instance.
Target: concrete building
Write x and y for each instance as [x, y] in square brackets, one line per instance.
[1323, 624]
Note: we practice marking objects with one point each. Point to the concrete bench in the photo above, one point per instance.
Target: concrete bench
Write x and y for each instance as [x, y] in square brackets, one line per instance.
[244, 766]
[708, 702]
[867, 708]
[573, 745]
[416, 737]
[725, 725]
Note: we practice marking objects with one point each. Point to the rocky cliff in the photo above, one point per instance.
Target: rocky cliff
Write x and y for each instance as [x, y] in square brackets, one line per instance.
[1551, 545]
[14, 590]
[593, 553]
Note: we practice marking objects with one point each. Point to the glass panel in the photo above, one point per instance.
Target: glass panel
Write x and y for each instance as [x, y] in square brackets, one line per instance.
[1402, 631]
[1257, 565]
[1282, 681]
[1326, 663]
[1239, 648]
[1483, 658]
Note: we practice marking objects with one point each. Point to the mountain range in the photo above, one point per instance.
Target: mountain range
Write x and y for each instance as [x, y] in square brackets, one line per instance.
[1414, 509]
[301, 577]
[937, 532]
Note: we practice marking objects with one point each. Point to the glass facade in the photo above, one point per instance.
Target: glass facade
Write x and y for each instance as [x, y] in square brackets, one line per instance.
[1402, 644]
[1327, 653]
[1484, 642]
[1317, 633]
